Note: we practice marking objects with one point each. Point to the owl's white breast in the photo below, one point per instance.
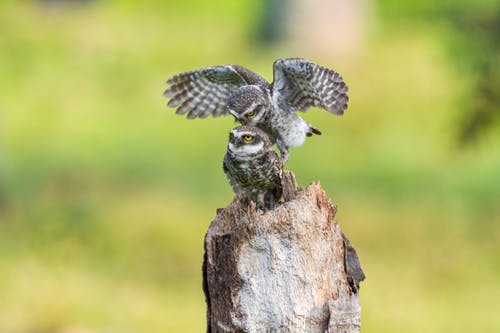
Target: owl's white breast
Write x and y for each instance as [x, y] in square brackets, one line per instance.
[291, 128]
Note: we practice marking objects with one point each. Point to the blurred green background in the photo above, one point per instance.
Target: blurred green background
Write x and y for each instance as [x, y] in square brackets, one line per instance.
[105, 194]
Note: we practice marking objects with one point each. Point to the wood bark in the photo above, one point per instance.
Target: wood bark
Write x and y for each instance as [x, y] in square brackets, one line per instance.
[290, 269]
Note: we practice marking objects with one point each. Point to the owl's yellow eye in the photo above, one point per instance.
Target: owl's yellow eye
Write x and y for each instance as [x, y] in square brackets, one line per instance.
[251, 114]
[248, 137]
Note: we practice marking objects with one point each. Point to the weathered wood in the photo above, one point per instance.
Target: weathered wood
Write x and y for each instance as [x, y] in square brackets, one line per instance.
[290, 269]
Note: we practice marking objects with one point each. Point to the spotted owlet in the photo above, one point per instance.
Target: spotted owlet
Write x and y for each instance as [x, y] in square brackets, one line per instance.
[230, 89]
[253, 167]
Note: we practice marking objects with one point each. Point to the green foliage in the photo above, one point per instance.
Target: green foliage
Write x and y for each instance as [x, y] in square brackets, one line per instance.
[105, 194]
[470, 30]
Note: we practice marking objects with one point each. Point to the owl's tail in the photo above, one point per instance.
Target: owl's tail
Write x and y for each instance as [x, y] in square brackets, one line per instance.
[313, 130]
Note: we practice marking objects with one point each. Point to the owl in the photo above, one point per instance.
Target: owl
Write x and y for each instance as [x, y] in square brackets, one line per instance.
[234, 90]
[253, 167]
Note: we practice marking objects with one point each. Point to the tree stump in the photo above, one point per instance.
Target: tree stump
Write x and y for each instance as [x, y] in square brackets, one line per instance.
[290, 269]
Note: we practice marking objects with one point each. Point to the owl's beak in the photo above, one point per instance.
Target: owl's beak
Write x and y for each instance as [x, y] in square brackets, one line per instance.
[236, 116]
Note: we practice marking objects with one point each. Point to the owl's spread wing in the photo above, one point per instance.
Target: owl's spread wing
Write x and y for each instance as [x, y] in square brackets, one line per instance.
[205, 91]
[300, 84]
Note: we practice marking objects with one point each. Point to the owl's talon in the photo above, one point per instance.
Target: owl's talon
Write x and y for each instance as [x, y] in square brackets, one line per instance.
[245, 201]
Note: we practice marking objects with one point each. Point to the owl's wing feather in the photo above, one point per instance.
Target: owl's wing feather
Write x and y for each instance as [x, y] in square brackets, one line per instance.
[204, 92]
[226, 167]
[300, 84]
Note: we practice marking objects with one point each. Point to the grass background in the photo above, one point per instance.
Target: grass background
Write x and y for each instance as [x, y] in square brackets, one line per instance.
[98, 179]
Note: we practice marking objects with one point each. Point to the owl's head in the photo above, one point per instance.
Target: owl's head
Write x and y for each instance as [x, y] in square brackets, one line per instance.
[248, 140]
[249, 104]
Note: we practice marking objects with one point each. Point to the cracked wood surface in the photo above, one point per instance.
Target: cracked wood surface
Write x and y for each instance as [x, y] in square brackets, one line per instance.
[290, 269]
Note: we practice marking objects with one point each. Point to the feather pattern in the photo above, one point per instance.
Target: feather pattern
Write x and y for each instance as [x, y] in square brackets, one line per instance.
[300, 84]
[231, 89]
[254, 171]
[204, 92]
[261, 173]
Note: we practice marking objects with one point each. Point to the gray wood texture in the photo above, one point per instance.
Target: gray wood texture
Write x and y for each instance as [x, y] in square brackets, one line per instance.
[290, 269]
